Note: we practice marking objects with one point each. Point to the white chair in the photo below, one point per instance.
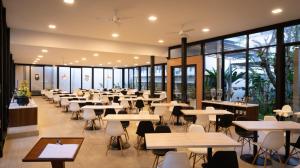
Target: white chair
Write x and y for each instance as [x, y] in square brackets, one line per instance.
[96, 97]
[56, 99]
[176, 160]
[160, 110]
[75, 109]
[285, 111]
[212, 118]
[270, 118]
[115, 130]
[270, 145]
[116, 109]
[105, 99]
[125, 104]
[163, 95]
[87, 95]
[64, 102]
[79, 93]
[197, 152]
[203, 120]
[89, 116]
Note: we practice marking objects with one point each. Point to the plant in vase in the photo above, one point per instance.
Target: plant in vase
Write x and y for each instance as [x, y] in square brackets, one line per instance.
[23, 94]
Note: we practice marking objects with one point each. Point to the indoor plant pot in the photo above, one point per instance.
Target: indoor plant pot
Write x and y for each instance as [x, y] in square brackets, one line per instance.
[22, 100]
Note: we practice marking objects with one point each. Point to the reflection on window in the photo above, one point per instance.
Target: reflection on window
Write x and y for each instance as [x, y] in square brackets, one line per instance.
[158, 77]
[292, 34]
[36, 78]
[117, 78]
[261, 39]
[108, 78]
[144, 76]
[126, 78]
[234, 76]
[292, 77]
[98, 78]
[64, 78]
[262, 78]
[235, 43]
[86, 78]
[75, 79]
[213, 47]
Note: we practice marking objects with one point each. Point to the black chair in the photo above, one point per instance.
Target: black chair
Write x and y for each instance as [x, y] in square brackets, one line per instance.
[143, 128]
[125, 124]
[223, 159]
[116, 99]
[245, 136]
[161, 152]
[104, 89]
[224, 122]
[295, 150]
[139, 105]
[110, 111]
[124, 92]
[189, 119]
[89, 103]
[176, 113]
[98, 113]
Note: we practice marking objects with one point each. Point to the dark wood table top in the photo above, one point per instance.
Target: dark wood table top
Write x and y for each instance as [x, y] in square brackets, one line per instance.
[34, 153]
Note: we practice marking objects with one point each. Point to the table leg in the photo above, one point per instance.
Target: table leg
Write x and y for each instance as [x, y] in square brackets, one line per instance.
[209, 154]
[177, 121]
[58, 164]
[287, 143]
[217, 123]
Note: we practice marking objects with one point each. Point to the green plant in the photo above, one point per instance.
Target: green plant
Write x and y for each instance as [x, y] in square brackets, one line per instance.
[23, 90]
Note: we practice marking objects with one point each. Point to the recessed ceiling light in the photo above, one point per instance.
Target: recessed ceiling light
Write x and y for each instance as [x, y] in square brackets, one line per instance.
[76, 61]
[125, 65]
[115, 35]
[65, 64]
[161, 41]
[109, 63]
[52, 26]
[136, 57]
[152, 18]
[100, 64]
[71, 63]
[37, 59]
[136, 64]
[95, 54]
[44, 50]
[69, 1]
[33, 63]
[119, 61]
[148, 62]
[40, 56]
[276, 11]
[83, 59]
[205, 29]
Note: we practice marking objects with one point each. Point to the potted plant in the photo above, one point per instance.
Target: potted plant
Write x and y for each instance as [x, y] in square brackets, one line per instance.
[23, 94]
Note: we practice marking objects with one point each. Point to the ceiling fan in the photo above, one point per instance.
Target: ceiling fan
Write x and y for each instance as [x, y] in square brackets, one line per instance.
[115, 19]
[183, 32]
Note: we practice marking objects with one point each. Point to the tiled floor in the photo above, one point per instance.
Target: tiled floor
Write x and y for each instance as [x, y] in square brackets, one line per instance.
[52, 122]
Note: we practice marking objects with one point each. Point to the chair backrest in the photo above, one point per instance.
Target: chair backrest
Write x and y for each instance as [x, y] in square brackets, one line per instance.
[172, 105]
[203, 120]
[125, 103]
[160, 110]
[144, 127]
[115, 104]
[139, 103]
[116, 99]
[196, 128]
[274, 140]
[209, 108]
[225, 120]
[223, 159]
[239, 130]
[64, 102]
[74, 106]
[96, 96]
[177, 110]
[162, 129]
[114, 128]
[88, 114]
[110, 111]
[270, 118]
[287, 108]
[176, 160]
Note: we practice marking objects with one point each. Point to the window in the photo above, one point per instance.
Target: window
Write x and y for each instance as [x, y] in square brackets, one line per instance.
[292, 34]
[37, 78]
[262, 39]
[50, 77]
[75, 79]
[131, 82]
[136, 78]
[176, 86]
[175, 53]
[64, 78]
[98, 78]
[194, 50]
[149, 77]
[22, 73]
[117, 78]
[234, 76]
[158, 77]
[144, 76]
[108, 78]
[212, 74]
[191, 84]
[235, 43]
[86, 78]
[262, 78]
[213, 47]
[126, 78]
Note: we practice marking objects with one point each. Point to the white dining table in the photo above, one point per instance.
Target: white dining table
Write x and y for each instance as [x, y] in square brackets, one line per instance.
[131, 117]
[101, 107]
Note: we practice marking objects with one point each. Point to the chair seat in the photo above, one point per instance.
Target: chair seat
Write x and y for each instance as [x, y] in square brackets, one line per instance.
[198, 150]
[246, 134]
[161, 152]
[212, 118]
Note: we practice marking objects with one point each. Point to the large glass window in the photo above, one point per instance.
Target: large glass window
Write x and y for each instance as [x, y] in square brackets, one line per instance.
[213, 47]
[212, 74]
[37, 78]
[144, 76]
[235, 43]
[86, 78]
[175, 53]
[292, 34]
[75, 79]
[50, 77]
[194, 50]
[126, 78]
[149, 77]
[131, 78]
[191, 85]
[64, 78]
[98, 78]
[262, 39]
[176, 85]
[166, 76]
[117, 78]
[234, 76]
[158, 77]
[136, 78]
[108, 78]
[292, 77]
[262, 78]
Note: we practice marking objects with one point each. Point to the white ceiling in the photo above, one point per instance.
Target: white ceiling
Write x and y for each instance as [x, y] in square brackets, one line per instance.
[221, 16]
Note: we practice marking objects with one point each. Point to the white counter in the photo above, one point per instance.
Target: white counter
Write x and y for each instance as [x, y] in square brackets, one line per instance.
[14, 105]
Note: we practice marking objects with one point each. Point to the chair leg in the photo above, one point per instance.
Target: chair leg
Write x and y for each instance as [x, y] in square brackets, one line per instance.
[191, 155]
[255, 157]
[108, 146]
[291, 153]
[155, 161]
[243, 142]
[194, 160]
[121, 144]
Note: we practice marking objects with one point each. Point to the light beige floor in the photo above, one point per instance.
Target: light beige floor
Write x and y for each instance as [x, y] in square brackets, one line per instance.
[52, 122]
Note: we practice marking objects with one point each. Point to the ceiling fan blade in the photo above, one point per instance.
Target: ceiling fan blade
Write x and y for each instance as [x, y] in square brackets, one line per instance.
[103, 19]
[172, 33]
[126, 18]
[188, 30]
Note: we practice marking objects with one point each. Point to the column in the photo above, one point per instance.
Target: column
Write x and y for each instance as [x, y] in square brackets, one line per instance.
[152, 76]
[183, 69]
